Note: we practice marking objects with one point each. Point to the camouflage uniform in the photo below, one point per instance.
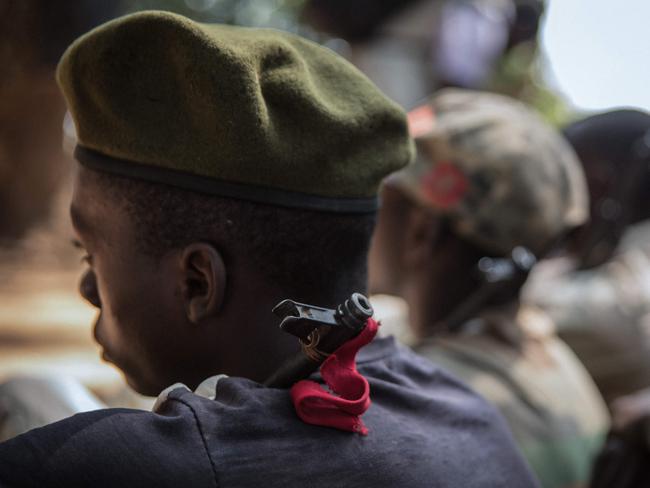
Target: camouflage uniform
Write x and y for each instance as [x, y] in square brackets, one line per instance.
[513, 358]
[504, 179]
[603, 313]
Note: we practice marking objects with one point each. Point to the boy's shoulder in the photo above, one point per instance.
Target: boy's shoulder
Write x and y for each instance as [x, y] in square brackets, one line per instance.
[425, 428]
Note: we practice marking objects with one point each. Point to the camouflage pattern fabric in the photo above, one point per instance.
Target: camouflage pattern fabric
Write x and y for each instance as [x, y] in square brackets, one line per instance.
[603, 314]
[513, 358]
[502, 176]
[504, 179]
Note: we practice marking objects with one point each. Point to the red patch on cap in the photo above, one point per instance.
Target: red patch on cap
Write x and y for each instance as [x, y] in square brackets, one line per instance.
[444, 186]
[421, 121]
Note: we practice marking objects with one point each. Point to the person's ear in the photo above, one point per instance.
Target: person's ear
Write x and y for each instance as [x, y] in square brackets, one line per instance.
[203, 281]
[421, 237]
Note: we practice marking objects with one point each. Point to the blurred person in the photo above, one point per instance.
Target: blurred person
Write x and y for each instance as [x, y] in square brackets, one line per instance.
[40, 314]
[410, 48]
[598, 289]
[33, 35]
[209, 190]
[492, 189]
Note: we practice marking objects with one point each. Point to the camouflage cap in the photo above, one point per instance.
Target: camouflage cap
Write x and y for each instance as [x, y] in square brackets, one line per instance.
[255, 114]
[502, 176]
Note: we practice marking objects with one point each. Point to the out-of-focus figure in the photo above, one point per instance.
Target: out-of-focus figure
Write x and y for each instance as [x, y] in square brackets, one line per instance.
[44, 327]
[493, 188]
[598, 291]
[33, 34]
[409, 48]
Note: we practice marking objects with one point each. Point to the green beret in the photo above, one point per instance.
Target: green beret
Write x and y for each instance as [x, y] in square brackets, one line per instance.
[255, 114]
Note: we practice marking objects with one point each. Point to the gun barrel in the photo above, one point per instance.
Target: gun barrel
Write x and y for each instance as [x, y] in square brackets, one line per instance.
[350, 318]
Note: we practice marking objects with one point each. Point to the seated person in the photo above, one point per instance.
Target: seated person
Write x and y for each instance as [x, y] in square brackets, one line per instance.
[492, 189]
[223, 170]
[597, 290]
[605, 274]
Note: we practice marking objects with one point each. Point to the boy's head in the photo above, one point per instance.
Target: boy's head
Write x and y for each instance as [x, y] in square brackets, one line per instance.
[490, 176]
[614, 155]
[222, 169]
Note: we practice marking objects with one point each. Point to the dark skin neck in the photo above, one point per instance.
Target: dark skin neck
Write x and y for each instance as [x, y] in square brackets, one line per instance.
[417, 254]
[261, 344]
[255, 346]
[441, 283]
[244, 339]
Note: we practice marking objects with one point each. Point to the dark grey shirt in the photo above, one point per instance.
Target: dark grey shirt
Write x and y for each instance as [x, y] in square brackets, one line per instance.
[426, 430]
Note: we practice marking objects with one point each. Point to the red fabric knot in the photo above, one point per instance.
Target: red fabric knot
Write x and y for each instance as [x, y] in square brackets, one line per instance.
[343, 408]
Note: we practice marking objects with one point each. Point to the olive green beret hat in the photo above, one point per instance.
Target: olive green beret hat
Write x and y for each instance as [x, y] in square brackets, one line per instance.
[255, 114]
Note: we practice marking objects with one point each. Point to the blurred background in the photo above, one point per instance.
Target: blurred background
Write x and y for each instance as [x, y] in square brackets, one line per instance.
[565, 58]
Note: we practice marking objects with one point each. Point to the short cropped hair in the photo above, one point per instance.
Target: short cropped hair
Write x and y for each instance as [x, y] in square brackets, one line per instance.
[306, 253]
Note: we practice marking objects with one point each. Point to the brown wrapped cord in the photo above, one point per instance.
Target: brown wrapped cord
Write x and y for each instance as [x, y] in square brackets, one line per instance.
[311, 350]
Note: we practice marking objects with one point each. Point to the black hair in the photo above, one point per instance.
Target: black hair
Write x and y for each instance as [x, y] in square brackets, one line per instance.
[308, 254]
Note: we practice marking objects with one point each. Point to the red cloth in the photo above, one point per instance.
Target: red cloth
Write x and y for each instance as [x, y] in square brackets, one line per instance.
[343, 408]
